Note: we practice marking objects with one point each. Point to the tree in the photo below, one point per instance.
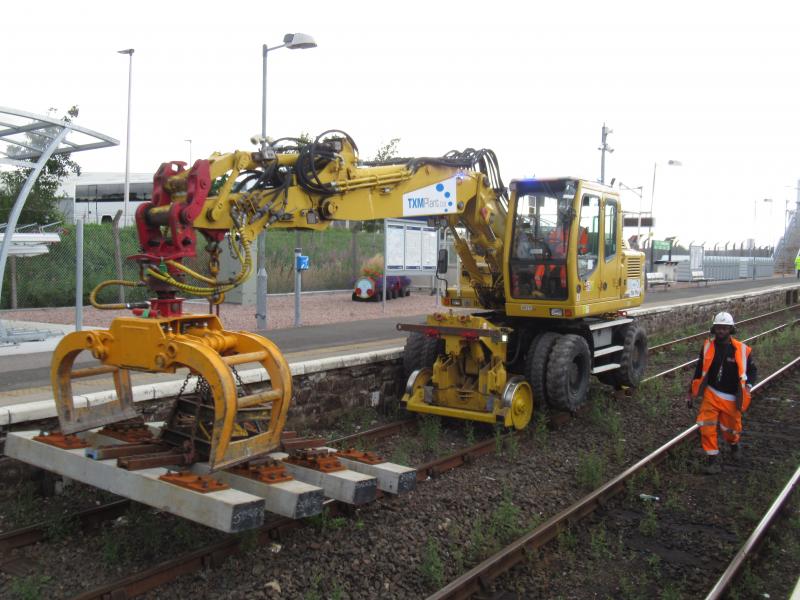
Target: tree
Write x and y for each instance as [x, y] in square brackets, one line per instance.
[42, 203]
[384, 153]
[387, 151]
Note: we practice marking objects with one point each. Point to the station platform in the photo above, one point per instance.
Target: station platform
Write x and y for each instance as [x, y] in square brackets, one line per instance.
[25, 368]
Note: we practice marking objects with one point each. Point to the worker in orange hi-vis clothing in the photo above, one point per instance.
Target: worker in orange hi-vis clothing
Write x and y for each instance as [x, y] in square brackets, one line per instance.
[722, 380]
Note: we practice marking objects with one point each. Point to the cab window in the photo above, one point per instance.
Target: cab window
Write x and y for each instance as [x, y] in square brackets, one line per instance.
[538, 257]
[588, 236]
[610, 229]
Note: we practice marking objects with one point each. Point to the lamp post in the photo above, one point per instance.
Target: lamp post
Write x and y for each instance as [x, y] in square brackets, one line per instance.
[293, 41]
[755, 231]
[126, 197]
[604, 147]
[190, 152]
[671, 163]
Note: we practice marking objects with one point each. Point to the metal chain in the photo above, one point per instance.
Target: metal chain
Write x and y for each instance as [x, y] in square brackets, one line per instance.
[183, 387]
[240, 389]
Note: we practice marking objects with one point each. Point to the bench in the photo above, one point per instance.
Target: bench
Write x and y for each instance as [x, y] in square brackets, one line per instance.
[654, 279]
[698, 277]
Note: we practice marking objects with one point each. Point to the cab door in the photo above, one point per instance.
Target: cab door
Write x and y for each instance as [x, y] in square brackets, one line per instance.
[610, 248]
[587, 243]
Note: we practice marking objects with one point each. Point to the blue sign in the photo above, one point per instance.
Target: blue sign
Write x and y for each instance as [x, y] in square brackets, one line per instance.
[302, 263]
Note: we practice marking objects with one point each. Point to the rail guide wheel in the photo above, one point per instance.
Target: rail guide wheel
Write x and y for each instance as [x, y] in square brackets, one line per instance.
[518, 399]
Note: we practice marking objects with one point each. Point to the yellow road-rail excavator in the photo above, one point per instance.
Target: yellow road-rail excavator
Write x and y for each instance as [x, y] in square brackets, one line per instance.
[545, 280]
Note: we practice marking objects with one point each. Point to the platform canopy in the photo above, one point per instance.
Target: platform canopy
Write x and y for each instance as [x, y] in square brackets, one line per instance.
[28, 140]
[18, 126]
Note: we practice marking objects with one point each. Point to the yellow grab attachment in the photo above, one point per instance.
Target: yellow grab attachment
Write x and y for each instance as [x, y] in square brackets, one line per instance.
[163, 345]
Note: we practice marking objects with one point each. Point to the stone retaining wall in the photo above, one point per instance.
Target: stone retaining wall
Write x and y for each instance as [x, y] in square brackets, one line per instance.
[699, 314]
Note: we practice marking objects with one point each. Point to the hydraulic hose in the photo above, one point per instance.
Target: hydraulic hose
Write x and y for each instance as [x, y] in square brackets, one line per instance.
[119, 305]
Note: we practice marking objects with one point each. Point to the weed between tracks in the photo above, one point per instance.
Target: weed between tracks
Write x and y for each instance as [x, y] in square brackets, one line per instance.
[29, 588]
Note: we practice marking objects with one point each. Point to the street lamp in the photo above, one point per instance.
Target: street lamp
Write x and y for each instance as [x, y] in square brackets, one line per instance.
[604, 147]
[190, 152]
[755, 231]
[126, 197]
[293, 41]
[671, 163]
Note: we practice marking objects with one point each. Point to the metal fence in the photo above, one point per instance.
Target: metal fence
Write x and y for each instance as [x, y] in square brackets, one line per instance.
[728, 267]
[49, 279]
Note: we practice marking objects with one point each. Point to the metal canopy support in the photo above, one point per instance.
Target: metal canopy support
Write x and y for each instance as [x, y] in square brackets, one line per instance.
[42, 126]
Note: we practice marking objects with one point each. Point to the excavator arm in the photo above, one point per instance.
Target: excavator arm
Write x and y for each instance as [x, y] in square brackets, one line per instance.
[308, 186]
[288, 184]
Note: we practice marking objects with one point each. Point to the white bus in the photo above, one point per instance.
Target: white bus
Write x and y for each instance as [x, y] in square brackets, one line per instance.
[96, 197]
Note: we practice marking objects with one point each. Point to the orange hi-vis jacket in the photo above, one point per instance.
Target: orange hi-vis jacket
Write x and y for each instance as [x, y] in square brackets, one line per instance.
[556, 241]
[741, 355]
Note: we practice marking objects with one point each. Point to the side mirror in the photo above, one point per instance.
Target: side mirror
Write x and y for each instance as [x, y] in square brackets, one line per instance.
[441, 263]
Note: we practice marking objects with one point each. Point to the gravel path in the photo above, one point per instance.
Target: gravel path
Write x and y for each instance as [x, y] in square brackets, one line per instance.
[316, 309]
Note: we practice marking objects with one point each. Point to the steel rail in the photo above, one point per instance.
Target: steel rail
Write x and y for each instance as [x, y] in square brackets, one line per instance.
[91, 517]
[381, 431]
[753, 542]
[479, 577]
[705, 333]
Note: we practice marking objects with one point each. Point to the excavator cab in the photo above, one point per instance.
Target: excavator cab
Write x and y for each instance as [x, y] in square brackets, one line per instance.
[567, 257]
[540, 240]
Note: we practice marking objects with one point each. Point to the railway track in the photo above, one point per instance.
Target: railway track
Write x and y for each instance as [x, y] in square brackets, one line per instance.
[704, 333]
[478, 580]
[214, 554]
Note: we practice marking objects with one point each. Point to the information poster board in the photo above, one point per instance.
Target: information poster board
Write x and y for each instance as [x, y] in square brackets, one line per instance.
[411, 247]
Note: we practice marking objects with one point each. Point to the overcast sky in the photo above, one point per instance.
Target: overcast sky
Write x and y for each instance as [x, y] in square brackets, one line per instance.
[713, 85]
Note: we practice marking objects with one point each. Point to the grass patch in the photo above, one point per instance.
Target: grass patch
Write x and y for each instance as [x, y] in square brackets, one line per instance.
[431, 567]
[590, 471]
[430, 430]
[29, 588]
[325, 522]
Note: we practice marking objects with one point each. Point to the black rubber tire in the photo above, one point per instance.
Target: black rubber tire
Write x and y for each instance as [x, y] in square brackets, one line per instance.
[412, 353]
[568, 373]
[420, 351]
[633, 358]
[408, 293]
[431, 350]
[355, 297]
[536, 364]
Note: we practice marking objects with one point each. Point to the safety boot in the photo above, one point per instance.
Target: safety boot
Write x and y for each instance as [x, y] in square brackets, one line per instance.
[736, 452]
[712, 465]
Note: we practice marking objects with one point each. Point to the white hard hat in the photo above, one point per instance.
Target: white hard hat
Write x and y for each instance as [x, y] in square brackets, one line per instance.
[723, 318]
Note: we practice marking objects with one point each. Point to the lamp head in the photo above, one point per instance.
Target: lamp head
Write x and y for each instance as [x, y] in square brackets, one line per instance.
[129, 51]
[301, 41]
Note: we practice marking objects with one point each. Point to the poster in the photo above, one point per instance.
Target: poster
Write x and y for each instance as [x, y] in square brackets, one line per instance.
[413, 248]
[395, 247]
[429, 249]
